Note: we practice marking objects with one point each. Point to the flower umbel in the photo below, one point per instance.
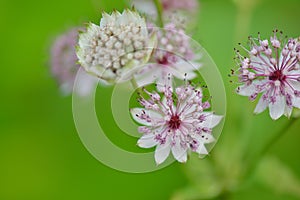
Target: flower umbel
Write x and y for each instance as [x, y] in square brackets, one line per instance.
[175, 121]
[271, 69]
[120, 44]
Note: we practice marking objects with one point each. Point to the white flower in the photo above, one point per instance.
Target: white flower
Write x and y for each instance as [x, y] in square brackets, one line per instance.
[175, 121]
[271, 69]
[120, 44]
[174, 55]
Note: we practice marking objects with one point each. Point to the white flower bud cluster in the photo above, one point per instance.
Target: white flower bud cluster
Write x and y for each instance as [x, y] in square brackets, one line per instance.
[119, 44]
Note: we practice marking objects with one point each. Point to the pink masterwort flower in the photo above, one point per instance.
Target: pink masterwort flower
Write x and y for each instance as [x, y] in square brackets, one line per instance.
[174, 55]
[175, 121]
[64, 65]
[271, 69]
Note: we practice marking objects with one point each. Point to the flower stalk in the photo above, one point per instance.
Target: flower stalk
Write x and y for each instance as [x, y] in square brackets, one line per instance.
[135, 85]
[159, 9]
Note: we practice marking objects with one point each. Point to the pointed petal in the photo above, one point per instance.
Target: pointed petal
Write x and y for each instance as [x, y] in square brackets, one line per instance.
[154, 116]
[148, 75]
[261, 105]
[288, 111]
[180, 74]
[162, 82]
[106, 19]
[182, 67]
[196, 65]
[186, 66]
[296, 102]
[206, 138]
[202, 149]
[129, 16]
[211, 120]
[147, 141]
[246, 90]
[162, 151]
[85, 37]
[116, 15]
[295, 84]
[179, 152]
[189, 75]
[277, 108]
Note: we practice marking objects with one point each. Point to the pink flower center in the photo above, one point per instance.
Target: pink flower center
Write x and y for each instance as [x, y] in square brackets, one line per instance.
[174, 122]
[277, 75]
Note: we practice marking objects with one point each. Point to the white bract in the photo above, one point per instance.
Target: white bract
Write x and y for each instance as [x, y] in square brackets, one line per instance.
[117, 47]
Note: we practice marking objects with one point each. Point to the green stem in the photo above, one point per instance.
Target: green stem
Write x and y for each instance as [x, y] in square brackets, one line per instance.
[159, 9]
[135, 85]
[268, 145]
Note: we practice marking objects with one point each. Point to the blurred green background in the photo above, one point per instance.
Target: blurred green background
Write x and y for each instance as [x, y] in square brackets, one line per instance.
[41, 156]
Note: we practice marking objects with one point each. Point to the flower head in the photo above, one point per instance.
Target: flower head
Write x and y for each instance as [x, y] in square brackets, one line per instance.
[64, 64]
[174, 55]
[120, 44]
[175, 120]
[272, 70]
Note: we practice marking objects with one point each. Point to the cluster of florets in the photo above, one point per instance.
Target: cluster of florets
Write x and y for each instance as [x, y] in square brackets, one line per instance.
[121, 43]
